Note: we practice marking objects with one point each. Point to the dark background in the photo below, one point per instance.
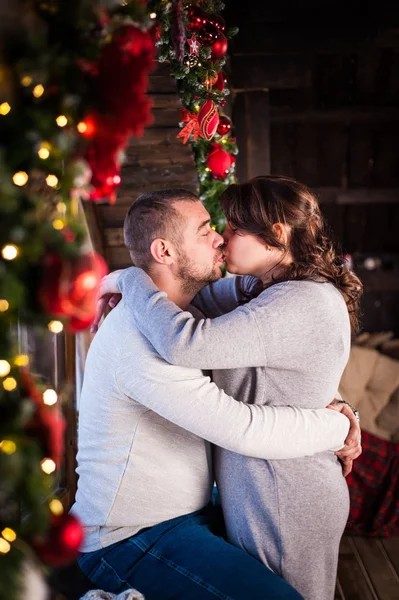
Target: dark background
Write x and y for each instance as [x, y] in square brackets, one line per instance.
[316, 97]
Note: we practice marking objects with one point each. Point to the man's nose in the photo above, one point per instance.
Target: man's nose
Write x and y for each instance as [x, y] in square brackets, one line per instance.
[218, 240]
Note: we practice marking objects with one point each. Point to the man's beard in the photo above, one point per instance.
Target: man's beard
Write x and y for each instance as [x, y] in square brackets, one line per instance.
[193, 278]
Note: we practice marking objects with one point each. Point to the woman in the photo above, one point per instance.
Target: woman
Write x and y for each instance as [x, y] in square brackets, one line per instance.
[290, 514]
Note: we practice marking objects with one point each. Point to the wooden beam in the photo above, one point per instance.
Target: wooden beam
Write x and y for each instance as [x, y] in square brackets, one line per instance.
[379, 281]
[347, 114]
[331, 195]
[251, 73]
[94, 226]
[252, 127]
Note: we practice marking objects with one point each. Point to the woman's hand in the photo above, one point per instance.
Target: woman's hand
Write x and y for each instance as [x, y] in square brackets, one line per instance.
[108, 294]
[353, 443]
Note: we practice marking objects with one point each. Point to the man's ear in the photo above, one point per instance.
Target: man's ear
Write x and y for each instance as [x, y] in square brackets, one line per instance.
[162, 251]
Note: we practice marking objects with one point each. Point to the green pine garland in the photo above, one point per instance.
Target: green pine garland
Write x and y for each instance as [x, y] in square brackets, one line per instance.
[193, 91]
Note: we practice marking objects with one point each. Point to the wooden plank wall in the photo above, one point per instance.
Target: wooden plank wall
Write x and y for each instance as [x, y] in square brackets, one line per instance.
[329, 116]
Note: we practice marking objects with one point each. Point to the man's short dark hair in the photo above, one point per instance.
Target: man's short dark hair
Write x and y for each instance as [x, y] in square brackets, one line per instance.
[151, 216]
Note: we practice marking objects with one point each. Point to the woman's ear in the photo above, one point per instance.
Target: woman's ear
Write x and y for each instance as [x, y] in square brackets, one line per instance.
[282, 232]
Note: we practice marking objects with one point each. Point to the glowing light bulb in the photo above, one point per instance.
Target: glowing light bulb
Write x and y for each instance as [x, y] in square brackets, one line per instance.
[43, 153]
[21, 360]
[20, 178]
[5, 368]
[38, 90]
[4, 546]
[51, 180]
[26, 80]
[9, 252]
[9, 534]
[86, 127]
[8, 447]
[61, 121]
[56, 507]
[55, 326]
[48, 466]
[50, 397]
[4, 305]
[4, 108]
[153, 15]
[9, 384]
[58, 224]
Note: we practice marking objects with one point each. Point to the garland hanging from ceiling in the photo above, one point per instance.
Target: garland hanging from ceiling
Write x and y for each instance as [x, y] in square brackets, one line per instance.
[193, 36]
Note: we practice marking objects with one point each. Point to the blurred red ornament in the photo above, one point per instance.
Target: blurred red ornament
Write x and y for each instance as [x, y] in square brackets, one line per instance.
[155, 32]
[63, 541]
[120, 85]
[208, 35]
[219, 162]
[223, 102]
[224, 126]
[219, 47]
[87, 127]
[197, 18]
[208, 119]
[217, 21]
[47, 423]
[221, 81]
[69, 288]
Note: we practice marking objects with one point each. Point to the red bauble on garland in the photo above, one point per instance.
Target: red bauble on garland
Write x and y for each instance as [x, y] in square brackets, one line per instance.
[69, 288]
[219, 47]
[221, 81]
[208, 119]
[197, 18]
[217, 21]
[224, 126]
[63, 541]
[219, 162]
[207, 35]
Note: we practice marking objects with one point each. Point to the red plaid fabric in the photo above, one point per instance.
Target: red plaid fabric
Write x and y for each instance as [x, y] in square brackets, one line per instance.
[374, 489]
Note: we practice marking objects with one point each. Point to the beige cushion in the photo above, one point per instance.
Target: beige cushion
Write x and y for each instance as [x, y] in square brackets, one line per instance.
[368, 382]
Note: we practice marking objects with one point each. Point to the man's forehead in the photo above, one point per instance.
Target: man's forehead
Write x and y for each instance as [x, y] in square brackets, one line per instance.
[193, 212]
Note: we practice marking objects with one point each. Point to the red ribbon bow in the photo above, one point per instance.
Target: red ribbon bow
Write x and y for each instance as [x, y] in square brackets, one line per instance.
[192, 126]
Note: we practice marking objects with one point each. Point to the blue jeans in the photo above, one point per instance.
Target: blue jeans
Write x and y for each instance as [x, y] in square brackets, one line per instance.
[184, 559]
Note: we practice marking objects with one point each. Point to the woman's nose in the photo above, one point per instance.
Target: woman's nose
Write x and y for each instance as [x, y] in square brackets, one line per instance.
[226, 235]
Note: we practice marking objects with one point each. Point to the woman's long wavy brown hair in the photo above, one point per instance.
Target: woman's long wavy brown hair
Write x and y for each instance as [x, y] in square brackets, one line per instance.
[255, 206]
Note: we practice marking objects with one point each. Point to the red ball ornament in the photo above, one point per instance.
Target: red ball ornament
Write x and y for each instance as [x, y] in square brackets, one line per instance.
[69, 288]
[219, 47]
[224, 126]
[208, 119]
[63, 541]
[208, 35]
[219, 162]
[217, 21]
[221, 81]
[197, 18]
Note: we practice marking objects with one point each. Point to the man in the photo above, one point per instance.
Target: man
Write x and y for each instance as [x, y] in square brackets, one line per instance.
[145, 468]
